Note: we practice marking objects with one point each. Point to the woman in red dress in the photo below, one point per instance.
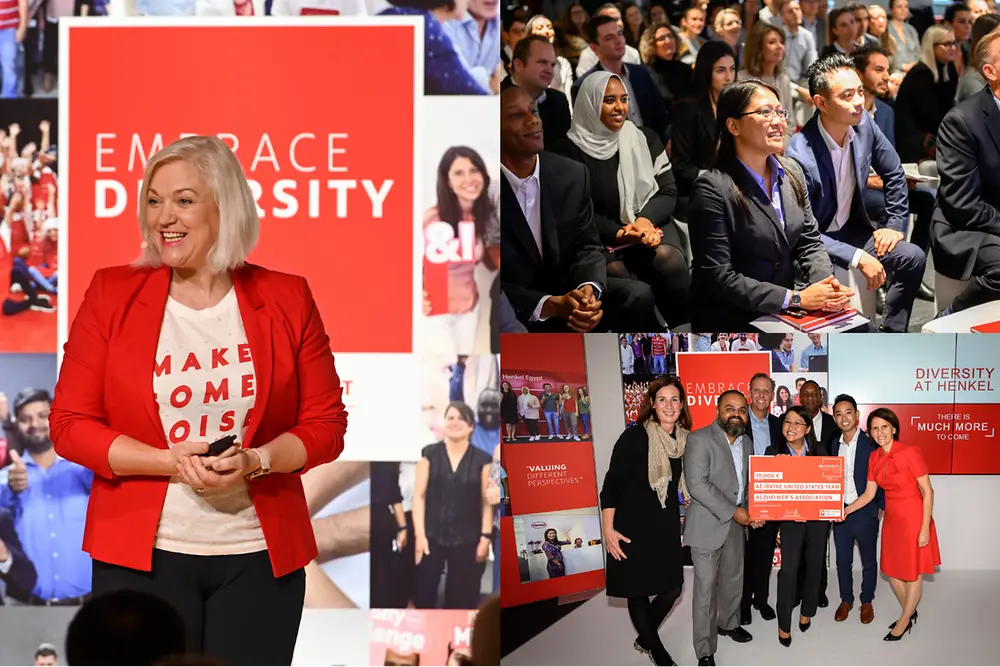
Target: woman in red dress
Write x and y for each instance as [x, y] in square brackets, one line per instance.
[909, 540]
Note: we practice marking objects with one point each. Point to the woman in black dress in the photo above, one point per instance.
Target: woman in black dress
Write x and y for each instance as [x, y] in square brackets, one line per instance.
[660, 52]
[926, 95]
[640, 513]
[633, 192]
[508, 409]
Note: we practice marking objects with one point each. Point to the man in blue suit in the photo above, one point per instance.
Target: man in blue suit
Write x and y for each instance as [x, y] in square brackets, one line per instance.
[645, 107]
[836, 149]
[872, 64]
[861, 527]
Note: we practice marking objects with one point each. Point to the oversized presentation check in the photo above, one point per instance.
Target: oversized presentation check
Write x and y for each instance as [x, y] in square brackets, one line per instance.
[785, 488]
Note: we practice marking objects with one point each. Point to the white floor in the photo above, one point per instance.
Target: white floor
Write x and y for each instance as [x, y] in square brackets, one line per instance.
[959, 624]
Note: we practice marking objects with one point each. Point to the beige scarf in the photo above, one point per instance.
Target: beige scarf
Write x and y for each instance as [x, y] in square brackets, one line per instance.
[662, 448]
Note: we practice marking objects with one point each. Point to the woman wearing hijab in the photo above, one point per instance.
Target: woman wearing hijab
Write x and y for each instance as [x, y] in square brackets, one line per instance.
[640, 504]
[633, 192]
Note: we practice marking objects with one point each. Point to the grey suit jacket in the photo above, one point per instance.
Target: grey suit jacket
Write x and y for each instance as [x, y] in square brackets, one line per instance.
[713, 485]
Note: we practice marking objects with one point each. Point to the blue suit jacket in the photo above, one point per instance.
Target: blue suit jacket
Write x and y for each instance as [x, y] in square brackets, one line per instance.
[885, 118]
[654, 112]
[865, 448]
[870, 148]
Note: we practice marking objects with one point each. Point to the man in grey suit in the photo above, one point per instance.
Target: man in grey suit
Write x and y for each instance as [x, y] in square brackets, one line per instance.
[716, 467]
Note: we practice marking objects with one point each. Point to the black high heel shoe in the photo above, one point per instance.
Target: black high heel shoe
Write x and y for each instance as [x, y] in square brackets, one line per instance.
[893, 638]
[785, 641]
[805, 626]
[913, 619]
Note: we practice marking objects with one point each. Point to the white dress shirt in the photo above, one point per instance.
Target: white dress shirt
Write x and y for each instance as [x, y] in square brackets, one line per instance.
[818, 426]
[849, 451]
[843, 170]
[588, 58]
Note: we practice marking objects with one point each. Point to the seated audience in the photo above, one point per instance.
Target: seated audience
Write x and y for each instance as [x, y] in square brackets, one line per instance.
[728, 28]
[562, 73]
[755, 229]
[800, 53]
[861, 18]
[589, 57]
[958, 19]
[972, 81]
[532, 70]
[125, 627]
[843, 32]
[965, 236]
[926, 95]
[692, 24]
[555, 274]
[904, 36]
[693, 143]
[878, 27]
[835, 149]
[633, 192]
[873, 66]
[763, 59]
[659, 51]
[646, 108]
[635, 23]
[573, 25]
[813, 22]
[979, 8]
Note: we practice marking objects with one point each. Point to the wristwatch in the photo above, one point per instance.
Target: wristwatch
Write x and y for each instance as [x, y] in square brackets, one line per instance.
[796, 300]
[265, 464]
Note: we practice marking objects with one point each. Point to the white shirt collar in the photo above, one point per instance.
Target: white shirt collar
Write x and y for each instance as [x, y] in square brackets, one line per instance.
[830, 143]
[516, 182]
[854, 440]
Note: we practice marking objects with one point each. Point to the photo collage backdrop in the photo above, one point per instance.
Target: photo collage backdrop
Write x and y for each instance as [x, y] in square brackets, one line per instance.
[366, 206]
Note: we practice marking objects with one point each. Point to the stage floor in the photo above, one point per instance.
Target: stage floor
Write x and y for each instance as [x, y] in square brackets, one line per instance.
[957, 626]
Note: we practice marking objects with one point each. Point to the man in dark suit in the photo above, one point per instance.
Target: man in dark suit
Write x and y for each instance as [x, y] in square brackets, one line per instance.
[15, 569]
[554, 272]
[862, 527]
[826, 431]
[765, 430]
[965, 235]
[836, 149]
[645, 107]
[872, 64]
[532, 69]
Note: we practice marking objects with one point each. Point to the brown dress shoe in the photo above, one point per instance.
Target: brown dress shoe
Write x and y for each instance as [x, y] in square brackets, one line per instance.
[867, 613]
[842, 611]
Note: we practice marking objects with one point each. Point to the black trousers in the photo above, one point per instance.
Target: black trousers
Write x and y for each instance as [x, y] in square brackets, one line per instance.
[234, 609]
[757, 563]
[462, 582]
[391, 571]
[802, 546]
[985, 283]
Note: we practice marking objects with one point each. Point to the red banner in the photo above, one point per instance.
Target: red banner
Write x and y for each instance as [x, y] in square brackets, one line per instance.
[332, 172]
[786, 488]
[550, 477]
[930, 427]
[706, 375]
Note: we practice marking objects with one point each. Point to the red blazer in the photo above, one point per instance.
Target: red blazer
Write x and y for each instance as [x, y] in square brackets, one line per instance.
[105, 389]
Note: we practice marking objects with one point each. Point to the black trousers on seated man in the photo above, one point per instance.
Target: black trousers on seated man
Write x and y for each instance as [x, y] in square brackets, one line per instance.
[984, 285]
[628, 305]
[906, 266]
[921, 200]
[757, 564]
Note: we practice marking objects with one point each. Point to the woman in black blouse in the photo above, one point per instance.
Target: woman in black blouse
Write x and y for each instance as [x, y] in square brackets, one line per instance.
[452, 520]
[640, 513]
[694, 123]
[390, 538]
[926, 95]
[633, 192]
[661, 56]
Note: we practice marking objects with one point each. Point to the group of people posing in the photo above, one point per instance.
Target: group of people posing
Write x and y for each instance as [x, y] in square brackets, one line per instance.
[778, 219]
[660, 463]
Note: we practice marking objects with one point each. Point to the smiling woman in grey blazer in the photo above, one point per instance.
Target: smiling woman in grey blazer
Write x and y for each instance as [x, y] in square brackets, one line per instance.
[717, 464]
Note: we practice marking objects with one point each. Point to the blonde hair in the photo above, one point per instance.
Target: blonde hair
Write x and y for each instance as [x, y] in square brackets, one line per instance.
[932, 36]
[720, 19]
[239, 226]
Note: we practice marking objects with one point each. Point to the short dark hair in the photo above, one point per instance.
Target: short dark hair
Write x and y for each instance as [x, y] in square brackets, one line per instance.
[522, 50]
[510, 19]
[885, 414]
[46, 650]
[758, 376]
[854, 6]
[595, 24]
[954, 8]
[727, 392]
[864, 54]
[848, 398]
[30, 395]
[507, 84]
[125, 627]
[812, 382]
[821, 71]
[465, 413]
[608, 5]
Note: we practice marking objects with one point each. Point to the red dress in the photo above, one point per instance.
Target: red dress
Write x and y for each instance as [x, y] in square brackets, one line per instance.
[897, 473]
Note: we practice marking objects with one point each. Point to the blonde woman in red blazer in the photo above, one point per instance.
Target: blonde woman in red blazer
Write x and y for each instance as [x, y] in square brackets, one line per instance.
[187, 346]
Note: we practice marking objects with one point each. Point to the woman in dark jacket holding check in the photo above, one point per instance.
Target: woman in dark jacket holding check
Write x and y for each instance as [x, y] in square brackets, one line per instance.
[802, 542]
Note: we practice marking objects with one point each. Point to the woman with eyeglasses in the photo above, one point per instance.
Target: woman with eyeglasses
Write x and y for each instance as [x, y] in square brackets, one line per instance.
[926, 95]
[659, 49]
[909, 538]
[755, 230]
[803, 543]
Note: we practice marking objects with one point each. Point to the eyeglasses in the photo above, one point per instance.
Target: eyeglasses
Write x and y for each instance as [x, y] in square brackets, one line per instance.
[795, 424]
[663, 38]
[767, 113]
[948, 45]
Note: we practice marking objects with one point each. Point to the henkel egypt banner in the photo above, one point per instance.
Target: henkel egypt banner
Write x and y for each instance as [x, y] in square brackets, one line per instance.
[706, 375]
[328, 149]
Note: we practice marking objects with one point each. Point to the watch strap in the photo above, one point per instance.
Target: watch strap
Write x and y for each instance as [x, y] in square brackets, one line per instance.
[265, 464]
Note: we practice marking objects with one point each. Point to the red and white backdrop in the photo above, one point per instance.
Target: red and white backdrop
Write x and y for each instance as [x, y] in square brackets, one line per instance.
[335, 160]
